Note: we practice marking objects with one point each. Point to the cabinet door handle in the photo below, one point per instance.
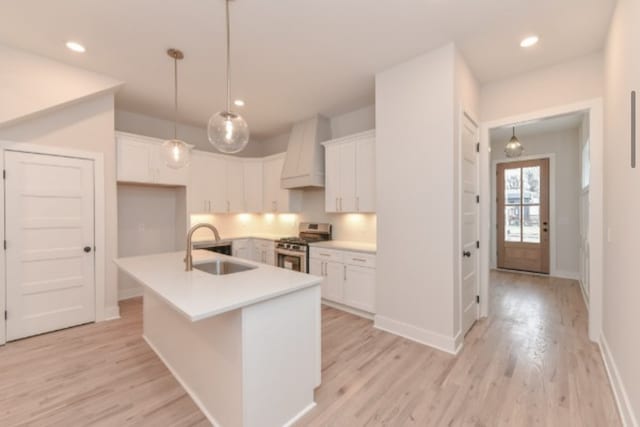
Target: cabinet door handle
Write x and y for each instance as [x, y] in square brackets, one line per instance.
[345, 272]
[359, 259]
[228, 206]
[633, 129]
[358, 204]
[323, 269]
[340, 204]
[337, 205]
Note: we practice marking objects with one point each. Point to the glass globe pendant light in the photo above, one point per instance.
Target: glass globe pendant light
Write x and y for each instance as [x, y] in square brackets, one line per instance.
[228, 132]
[514, 147]
[176, 153]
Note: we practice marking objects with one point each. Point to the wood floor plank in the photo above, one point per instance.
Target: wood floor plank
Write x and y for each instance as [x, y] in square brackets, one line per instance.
[529, 364]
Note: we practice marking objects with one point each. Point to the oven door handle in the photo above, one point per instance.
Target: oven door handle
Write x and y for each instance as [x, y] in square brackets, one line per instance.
[288, 252]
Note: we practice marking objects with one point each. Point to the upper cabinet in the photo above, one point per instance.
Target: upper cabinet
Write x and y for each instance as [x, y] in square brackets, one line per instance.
[216, 184]
[253, 188]
[350, 173]
[276, 198]
[140, 160]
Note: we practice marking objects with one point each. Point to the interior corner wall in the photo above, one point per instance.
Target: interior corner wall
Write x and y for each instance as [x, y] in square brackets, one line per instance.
[87, 126]
[565, 83]
[621, 292]
[414, 150]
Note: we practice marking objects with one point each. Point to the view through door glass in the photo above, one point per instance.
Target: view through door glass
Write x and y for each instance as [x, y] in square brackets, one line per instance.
[523, 215]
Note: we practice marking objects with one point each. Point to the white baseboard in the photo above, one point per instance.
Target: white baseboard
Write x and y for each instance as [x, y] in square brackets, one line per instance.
[112, 313]
[419, 335]
[349, 310]
[584, 294]
[186, 388]
[619, 391]
[301, 414]
[128, 293]
[566, 274]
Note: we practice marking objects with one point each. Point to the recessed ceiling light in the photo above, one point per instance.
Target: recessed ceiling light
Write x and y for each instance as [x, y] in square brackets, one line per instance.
[238, 103]
[76, 47]
[529, 41]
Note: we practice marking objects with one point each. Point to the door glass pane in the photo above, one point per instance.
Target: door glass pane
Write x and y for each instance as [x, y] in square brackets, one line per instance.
[531, 224]
[512, 224]
[512, 186]
[531, 185]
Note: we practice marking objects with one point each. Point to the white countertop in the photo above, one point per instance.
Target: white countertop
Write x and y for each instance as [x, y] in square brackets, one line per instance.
[346, 246]
[199, 295]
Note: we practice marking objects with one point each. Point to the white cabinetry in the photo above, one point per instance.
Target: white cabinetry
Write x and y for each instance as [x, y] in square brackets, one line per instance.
[207, 184]
[140, 160]
[241, 248]
[234, 184]
[276, 198]
[350, 173]
[348, 277]
[264, 251]
[252, 170]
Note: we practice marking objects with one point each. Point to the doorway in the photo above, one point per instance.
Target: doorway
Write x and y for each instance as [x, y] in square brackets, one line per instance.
[50, 243]
[523, 215]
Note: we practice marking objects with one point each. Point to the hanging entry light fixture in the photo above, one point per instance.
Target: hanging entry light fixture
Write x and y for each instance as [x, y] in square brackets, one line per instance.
[177, 153]
[514, 147]
[228, 131]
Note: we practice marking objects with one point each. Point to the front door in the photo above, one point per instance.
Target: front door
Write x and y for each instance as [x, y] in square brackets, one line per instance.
[523, 215]
[50, 237]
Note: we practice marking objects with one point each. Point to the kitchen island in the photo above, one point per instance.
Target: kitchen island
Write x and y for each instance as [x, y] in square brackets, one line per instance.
[244, 345]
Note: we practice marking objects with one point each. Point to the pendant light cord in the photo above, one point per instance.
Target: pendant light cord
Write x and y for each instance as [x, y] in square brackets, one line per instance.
[228, 55]
[175, 97]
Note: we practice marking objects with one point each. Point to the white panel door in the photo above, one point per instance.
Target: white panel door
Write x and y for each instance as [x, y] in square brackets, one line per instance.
[235, 186]
[50, 242]
[366, 175]
[332, 178]
[347, 202]
[469, 225]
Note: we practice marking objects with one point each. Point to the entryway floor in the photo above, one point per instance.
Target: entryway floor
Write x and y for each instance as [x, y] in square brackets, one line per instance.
[530, 363]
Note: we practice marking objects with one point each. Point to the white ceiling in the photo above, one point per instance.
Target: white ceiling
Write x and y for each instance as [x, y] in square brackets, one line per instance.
[536, 127]
[293, 58]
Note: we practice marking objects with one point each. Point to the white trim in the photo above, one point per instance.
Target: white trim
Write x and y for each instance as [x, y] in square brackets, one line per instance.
[348, 309]
[111, 313]
[99, 222]
[129, 293]
[184, 385]
[596, 238]
[563, 274]
[300, 414]
[619, 391]
[585, 298]
[553, 242]
[449, 345]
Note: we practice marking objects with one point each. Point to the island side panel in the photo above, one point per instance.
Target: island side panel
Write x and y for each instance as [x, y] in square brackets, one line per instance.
[204, 356]
[281, 341]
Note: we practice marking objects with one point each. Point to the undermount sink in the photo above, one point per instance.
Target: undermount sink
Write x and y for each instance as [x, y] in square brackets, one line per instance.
[220, 267]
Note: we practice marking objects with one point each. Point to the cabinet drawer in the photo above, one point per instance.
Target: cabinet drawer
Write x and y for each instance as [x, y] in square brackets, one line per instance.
[326, 254]
[360, 259]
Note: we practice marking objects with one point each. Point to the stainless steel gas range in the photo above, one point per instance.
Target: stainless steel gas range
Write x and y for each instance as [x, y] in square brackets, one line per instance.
[293, 252]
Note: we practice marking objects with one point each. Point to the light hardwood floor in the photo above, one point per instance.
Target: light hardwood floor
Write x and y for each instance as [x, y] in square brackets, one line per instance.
[529, 364]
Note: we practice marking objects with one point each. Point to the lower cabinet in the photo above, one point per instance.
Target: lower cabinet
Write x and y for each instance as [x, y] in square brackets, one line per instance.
[242, 248]
[264, 251]
[345, 279]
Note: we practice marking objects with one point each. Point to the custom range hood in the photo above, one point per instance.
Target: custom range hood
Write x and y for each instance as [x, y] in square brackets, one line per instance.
[304, 162]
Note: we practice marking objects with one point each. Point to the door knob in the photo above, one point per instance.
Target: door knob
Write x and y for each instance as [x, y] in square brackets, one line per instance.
[466, 254]
[87, 249]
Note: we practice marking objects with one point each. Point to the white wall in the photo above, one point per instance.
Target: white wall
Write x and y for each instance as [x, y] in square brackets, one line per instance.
[571, 81]
[149, 218]
[564, 145]
[87, 126]
[32, 84]
[621, 291]
[415, 198]
[141, 124]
